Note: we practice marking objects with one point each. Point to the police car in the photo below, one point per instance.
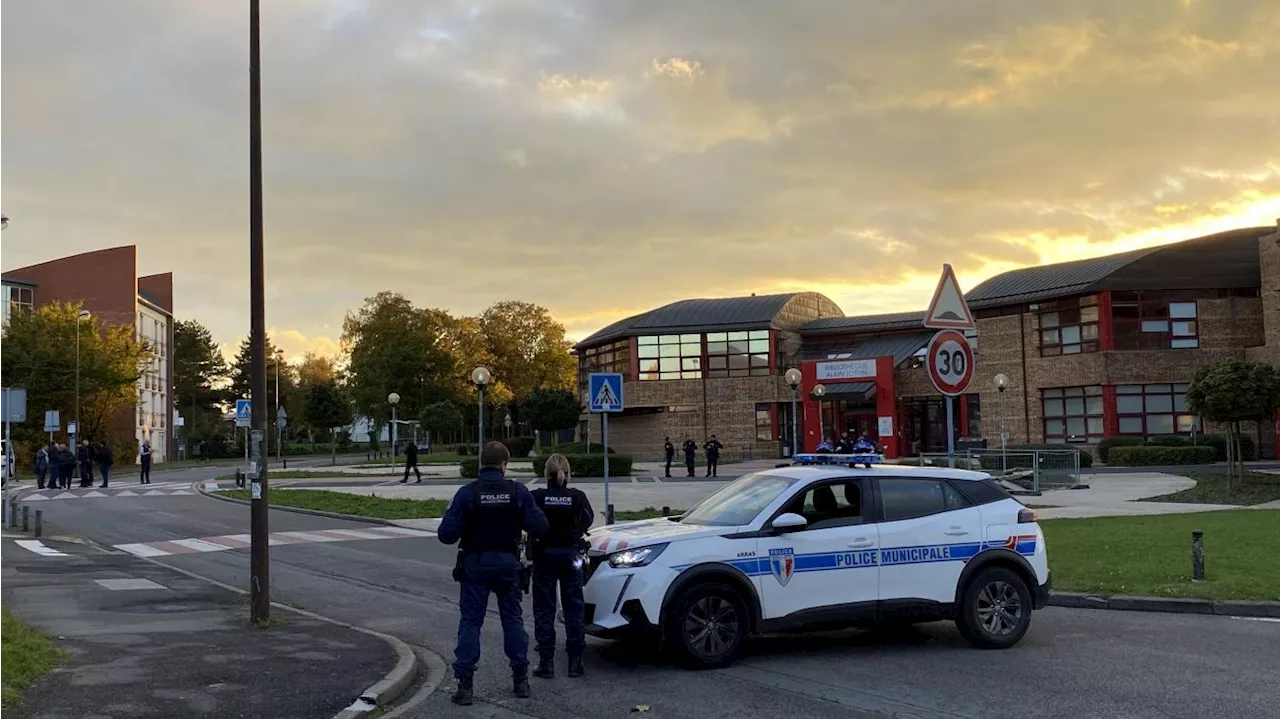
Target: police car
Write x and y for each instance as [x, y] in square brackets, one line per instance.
[818, 545]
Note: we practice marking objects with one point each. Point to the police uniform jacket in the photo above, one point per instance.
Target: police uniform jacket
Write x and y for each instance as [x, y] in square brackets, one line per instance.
[670, 450]
[489, 514]
[568, 513]
[689, 448]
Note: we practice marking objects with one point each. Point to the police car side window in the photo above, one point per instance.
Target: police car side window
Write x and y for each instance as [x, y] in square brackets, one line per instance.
[830, 505]
[911, 498]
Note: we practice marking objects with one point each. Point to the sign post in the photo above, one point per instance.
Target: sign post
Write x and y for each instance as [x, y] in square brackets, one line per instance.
[949, 357]
[244, 418]
[604, 390]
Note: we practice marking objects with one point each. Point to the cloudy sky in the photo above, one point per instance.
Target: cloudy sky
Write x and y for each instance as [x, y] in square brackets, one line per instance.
[605, 157]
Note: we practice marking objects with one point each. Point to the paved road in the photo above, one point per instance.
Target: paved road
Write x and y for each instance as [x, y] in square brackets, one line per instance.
[1073, 663]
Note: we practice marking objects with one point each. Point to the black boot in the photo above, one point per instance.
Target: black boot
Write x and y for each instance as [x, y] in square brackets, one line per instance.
[463, 696]
[520, 685]
[575, 666]
[546, 668]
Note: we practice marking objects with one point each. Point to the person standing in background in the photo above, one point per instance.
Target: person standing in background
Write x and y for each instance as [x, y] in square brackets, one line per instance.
[85, 456]
[411, 462]
[144, 457]
[712, 448]
[669, 450]
[105, 460]
[690, 450]
[42, 466]
[65, 463]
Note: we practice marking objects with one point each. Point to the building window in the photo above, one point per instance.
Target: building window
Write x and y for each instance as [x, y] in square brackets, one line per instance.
[615, 357]
[1072, 414]
[1154, 321]
[1148, 410]
[1069, 327]
[738, 354]
[670, 356]
[764, 423]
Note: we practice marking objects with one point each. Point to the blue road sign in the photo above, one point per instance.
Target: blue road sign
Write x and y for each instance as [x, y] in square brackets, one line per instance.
[605, 391]
[244, 413]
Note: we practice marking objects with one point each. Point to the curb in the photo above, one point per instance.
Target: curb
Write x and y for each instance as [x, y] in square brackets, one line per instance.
[1233, 608]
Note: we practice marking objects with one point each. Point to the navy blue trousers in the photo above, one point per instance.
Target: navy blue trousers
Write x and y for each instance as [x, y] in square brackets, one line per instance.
[485, 573]
[563, 567]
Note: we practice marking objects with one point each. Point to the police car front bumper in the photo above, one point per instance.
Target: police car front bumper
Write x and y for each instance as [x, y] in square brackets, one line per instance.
[622, 602]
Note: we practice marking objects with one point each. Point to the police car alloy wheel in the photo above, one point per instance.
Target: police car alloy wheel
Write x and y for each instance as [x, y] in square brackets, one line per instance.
[708, 626]
[996, 609]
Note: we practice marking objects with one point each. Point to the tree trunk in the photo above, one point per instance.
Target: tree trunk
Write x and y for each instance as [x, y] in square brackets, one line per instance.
[333, 446]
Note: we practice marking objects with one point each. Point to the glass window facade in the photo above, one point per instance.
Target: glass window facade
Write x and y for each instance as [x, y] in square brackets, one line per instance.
[764, 423]
[738, 354]
[670, 356]
[1072, 414]
[614, 357]
[1154, 320]
[1154, 409]
[1069, 326]
[17, 299]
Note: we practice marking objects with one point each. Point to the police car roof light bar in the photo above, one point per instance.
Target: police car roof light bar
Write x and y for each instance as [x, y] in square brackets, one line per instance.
[851, 460]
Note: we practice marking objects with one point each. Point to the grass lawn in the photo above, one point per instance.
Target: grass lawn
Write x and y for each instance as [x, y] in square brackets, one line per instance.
[356, 504]
[301, 474]
[1151, 556]
[1211, 488]
[27, 656]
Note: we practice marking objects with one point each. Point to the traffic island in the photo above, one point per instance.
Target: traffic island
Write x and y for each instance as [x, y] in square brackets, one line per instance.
[143, 640]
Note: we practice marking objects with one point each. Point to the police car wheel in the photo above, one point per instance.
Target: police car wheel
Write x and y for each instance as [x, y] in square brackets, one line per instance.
[707, 626]
[995, 612]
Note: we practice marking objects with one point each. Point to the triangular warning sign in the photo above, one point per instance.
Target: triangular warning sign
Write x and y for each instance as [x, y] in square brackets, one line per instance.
[948, 310]
[605, 397]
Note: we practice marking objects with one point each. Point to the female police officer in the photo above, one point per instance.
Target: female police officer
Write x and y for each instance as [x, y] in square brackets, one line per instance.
[556, 558]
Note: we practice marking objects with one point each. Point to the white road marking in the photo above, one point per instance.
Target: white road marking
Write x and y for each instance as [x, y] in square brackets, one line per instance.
[142, 550]
[35, 545]
[309, 536]
[357, 534]
[117, 585]
[1259, 619]
[200, 545]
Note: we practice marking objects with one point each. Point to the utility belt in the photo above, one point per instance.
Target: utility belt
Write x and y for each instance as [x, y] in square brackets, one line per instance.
[460, 569]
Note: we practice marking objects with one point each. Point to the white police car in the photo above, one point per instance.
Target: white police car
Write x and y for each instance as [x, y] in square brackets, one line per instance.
[817, 547]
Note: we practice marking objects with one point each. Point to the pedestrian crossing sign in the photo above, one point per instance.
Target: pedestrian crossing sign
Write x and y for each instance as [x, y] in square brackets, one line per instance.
[604, 389]
[244, 413]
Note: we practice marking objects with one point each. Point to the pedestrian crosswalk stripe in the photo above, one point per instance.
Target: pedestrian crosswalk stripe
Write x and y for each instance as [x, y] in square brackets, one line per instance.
[96, 494]
[35, 545]
[40, 495]
[227, 542]
[125, 493]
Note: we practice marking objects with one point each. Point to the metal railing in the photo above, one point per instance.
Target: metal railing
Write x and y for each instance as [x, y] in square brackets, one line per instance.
[1035, 470]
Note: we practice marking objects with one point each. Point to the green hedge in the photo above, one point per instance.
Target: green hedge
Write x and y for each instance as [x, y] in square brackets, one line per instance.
[574, 448]
[520, 447]
[1105, 446]
[470, 468]
[1169, 440]
[589, 465]
[1155, 456]
[1086, 459]
[1219, 443]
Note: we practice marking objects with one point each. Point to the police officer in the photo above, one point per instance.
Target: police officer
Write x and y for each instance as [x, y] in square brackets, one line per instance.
[712, 448]
[488, 516]
[669, 450]
[690, 449]
[556, 558]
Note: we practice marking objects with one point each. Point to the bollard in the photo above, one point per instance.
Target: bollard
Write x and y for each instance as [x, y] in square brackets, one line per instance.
[285, 462]
[608, 514]
[1197, 556]
[26, 518]
[39, 523]
[666, 511]
[13, 515]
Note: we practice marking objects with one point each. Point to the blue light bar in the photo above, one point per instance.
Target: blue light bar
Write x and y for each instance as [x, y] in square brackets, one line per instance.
[839, 459]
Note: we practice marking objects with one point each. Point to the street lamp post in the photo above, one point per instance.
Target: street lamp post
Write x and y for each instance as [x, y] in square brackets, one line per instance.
[259, 535]
[480, 377]
[393, 399]
[820, 391]
[793, 378]
[1002, 382]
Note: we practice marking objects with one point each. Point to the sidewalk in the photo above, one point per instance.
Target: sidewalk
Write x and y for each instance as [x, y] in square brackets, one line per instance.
[1117, 495]
[146, 641]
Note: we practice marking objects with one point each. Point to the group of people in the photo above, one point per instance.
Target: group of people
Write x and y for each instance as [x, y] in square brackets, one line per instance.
[56, 463]
[488, 517]
[847, 445]
[711, 447]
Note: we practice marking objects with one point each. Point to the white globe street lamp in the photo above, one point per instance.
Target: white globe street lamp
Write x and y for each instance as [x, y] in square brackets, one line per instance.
[393, 399]
[793, 378]
[480, 377]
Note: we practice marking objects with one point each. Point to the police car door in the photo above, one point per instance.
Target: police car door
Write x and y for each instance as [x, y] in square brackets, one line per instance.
[828, 568]
[928, 531]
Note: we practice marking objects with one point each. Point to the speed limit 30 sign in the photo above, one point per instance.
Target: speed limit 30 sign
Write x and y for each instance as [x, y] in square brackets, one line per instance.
[949, 360]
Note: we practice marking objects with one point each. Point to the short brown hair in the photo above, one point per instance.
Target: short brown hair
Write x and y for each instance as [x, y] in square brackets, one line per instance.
[494, 454]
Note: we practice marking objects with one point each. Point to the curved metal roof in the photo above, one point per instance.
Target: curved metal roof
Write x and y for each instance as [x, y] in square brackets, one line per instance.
[864, 323]
[699, 315]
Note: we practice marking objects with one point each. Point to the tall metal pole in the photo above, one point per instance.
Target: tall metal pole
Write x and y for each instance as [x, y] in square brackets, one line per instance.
[795, 423]
[951, 431]
[480, 423]
[259, 558]
[279, 429]
[394, 432]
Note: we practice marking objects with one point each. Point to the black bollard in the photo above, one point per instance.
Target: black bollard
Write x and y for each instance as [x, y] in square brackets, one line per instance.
[608, 514]
[13, 515]
[666, 511]
[26, 518]
[1197, 556]
[285, 463]
[39, 523]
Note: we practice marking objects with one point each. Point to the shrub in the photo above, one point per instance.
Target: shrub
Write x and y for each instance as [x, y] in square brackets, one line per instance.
[1169, 440]
[1219, 443]
[589, 465]
[568, 448]
[520, 447]
[1156, 456]
[1086, 459]
[470, 468]
[1105, 446]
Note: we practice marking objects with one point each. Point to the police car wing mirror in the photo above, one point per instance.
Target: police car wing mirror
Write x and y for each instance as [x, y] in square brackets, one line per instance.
[789, 522]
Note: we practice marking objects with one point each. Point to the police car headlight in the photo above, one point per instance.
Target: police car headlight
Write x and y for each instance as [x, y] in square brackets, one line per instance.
[639, 557]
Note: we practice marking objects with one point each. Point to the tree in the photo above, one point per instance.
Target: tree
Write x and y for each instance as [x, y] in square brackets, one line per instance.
[325, 407]
[1232, 392]
[551, 410]
[440, 417]
[528, 348]
[200, 377]
[393, 346]
[241, 376]
[39, 354]
[314, 369]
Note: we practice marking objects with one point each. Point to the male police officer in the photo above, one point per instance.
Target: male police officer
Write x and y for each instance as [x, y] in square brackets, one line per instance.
[668, 449]
[713, 448]
[690, 449]
[556, 558]
[487, 516]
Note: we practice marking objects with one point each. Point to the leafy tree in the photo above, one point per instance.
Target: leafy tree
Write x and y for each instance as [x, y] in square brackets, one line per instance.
[1232, 392]
[551, 410]
[327, 408]
[241, 376]
[314, 370]
[393, 346]
[528, 348]
[200, 377]
[39, 354]
[440, 417]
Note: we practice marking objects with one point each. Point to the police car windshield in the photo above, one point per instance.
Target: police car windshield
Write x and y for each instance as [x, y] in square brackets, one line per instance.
[739, 502]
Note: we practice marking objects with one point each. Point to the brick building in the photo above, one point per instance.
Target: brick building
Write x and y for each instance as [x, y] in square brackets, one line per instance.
[1093, 348]
[107, 284]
